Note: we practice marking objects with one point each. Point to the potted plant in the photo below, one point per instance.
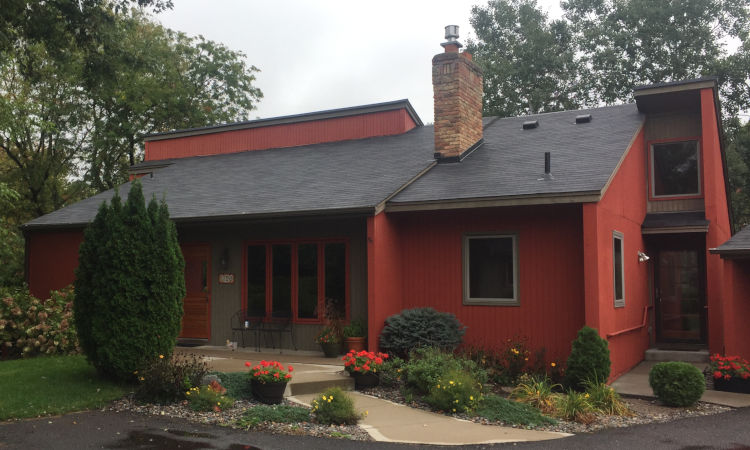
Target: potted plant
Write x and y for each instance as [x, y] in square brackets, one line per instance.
[268, 381]
[355, 335]
[731, 373]
[330, 337]
[363, 366]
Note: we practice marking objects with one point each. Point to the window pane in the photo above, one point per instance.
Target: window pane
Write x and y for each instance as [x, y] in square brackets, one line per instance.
[281, 303]
[335, 255]
[307, 292]
[491, 268]
[675, 167]
[256, 280]
[618, 268]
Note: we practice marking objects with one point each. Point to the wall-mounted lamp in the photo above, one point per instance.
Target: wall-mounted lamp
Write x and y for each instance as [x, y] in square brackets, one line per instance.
[224, 261]
[642, 257]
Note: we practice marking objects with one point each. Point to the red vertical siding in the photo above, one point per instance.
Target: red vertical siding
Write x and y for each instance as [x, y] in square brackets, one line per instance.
[550, 272]
[384, 274]
[622, 209]
[718, 216]
[736, 338]
[52, 259]
[384, 123]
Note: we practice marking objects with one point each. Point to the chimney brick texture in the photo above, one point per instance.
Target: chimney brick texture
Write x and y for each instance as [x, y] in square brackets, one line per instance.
[457, 88]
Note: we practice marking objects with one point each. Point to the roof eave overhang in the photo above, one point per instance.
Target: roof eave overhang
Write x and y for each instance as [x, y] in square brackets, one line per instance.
[492, 202]
[739, 253]
[675, 230]
[332, 213]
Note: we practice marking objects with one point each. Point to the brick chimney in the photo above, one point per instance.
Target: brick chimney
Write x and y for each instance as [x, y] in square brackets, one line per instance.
[457, 87]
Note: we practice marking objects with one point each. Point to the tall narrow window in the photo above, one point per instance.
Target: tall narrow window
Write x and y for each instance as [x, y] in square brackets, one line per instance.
[307, 281]
[335, 276]
[256, 280]
[281, 303]
[618, 269]
[490, 270]
[675, 169]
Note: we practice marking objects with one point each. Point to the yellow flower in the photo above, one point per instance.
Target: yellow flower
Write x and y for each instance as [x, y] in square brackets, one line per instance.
[329, 400]
[586, 396]
[135, 372]
[451, 382]
[142, 378]
[438, 386]
[455, 401]
[367, 413]
[323, 397]
[161, 356]
[553, 364]
[471, 397]
[218, 403]
[454, 409]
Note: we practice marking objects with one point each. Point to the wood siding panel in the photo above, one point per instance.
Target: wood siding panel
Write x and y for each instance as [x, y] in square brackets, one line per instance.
[384, 123]
[672, 125]
[717, 213]
[227, 299]
[689, 204]
[52, 257]
[622, 209]
[736, 308]
[550, 273]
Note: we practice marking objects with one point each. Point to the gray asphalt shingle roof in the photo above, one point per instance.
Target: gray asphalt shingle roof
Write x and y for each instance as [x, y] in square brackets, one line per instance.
[360, 174]
[511, 161]
[738, 244]
[330, 177]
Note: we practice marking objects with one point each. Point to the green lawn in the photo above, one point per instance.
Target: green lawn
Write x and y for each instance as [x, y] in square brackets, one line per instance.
[52, 385]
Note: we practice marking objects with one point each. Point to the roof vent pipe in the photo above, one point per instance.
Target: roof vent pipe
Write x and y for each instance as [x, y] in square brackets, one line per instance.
[451, 33]
[547, 167]
[530, 124]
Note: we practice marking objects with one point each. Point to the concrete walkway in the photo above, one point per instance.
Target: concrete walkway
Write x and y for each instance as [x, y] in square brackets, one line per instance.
[391, 422]
[385, 421]
[636, 383]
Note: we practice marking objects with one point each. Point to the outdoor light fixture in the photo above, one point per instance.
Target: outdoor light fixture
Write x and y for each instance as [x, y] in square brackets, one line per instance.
[224, 262]
[642, 257]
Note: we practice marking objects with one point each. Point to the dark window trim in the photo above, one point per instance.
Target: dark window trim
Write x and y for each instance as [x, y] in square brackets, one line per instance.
[516, 300]
[295, 275]
[618, 302]
[652, 186]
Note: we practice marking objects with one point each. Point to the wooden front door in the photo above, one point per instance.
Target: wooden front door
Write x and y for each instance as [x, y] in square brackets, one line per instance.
[680, 300]
[196, 320]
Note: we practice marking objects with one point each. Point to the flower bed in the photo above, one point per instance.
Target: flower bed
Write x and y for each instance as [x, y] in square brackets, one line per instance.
[730, 373]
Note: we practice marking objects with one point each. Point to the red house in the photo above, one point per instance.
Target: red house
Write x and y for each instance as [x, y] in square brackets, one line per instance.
[530, 226]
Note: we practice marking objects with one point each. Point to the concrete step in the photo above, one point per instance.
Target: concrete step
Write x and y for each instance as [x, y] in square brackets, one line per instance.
[694, 356]
[312, 382]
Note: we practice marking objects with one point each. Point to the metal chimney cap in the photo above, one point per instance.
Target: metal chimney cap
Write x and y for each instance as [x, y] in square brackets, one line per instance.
[451, 33]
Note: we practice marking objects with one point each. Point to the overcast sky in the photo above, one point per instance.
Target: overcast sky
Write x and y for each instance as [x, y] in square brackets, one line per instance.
[317, 55]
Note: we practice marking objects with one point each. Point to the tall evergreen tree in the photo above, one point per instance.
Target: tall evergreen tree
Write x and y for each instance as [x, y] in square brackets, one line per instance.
[129, 286]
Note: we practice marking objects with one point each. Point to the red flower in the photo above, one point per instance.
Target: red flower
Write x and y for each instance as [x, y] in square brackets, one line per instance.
[276, 375]
[291, 369]
[727, 376]
[356, 369]
[247, 363]
[288, 375]
[717, 374]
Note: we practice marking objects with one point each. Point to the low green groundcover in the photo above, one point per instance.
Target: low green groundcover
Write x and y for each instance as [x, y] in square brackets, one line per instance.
[494, 407]
[53, 385]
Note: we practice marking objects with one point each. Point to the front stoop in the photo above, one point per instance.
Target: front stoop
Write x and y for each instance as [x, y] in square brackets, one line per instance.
[692, 356]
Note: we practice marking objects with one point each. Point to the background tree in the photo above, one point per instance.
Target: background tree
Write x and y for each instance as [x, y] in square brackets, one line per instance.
[129, 286]
[529, 62]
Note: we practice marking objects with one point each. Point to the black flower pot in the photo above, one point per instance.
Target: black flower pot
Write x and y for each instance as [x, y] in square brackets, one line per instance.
[365, 380]
[331, 349]
[268, 393]
[732, 385]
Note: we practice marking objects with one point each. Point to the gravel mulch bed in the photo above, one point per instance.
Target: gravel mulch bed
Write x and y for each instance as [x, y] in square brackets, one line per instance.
[229, 418]
[644, 411]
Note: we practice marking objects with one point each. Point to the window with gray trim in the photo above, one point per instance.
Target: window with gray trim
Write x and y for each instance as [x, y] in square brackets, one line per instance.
[618, 268]
[490, 269]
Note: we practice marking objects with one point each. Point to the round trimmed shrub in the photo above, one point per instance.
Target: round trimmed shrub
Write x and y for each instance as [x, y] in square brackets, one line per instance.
[420, 327]
[677, 383]
[588, 361]
[129, 286]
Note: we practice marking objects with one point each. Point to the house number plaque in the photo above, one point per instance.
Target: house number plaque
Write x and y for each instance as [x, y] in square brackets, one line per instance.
[226, 278]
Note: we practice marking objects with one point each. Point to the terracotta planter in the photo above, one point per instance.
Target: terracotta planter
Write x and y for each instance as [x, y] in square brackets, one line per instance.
[331, 349]
[268, 393]
[732, 385]
[355, 343]
[365, 380]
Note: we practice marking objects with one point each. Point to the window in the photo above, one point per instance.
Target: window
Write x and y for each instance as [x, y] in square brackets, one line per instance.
[618, 268]
[294, 279]
[675, 169]
[490, 269]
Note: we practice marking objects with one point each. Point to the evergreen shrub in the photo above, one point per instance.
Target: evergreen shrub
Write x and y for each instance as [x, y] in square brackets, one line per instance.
[129, 286]
[588, 360]
[420, 327]
[428, 365]
[677, 383]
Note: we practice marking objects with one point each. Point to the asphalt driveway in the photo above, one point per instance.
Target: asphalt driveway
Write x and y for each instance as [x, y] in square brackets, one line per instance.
[97, 429]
